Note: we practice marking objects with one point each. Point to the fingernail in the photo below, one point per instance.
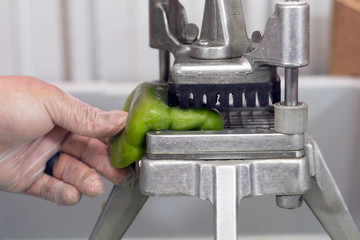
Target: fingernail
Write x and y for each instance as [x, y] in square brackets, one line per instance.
[93, 186]
[73, 198]
[68, 198]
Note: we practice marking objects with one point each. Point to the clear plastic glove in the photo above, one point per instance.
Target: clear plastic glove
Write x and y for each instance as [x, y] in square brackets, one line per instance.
[37, 119]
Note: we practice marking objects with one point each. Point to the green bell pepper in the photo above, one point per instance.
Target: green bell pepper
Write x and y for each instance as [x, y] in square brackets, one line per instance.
[148, 111]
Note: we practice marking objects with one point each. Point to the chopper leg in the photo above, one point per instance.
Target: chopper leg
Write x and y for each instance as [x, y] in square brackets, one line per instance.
[225, 203]
[325, 200]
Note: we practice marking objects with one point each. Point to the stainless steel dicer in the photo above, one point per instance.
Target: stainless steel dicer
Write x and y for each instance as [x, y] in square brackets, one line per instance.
[264, 148]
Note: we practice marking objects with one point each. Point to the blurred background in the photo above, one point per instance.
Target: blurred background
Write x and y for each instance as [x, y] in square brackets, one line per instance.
[107, 40]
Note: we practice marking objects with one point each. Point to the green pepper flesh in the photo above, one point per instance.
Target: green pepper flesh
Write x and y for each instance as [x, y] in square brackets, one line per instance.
[148, 111]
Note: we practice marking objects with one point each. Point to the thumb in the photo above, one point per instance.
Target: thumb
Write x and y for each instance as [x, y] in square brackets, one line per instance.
[80, 118]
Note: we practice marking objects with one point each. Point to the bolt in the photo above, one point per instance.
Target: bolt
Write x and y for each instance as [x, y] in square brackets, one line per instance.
[289, 201]
[257, 37]
[191, 33]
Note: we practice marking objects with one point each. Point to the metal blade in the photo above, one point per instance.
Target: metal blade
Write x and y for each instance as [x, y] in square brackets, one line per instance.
[120, 210]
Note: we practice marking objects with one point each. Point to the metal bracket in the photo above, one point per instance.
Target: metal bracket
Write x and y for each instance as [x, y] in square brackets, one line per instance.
[224, 61]
[226, 182]
[223, 32]
[286, 41]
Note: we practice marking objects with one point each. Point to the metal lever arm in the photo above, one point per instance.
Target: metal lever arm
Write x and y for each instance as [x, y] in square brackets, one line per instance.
[169, 29]
[286, 41]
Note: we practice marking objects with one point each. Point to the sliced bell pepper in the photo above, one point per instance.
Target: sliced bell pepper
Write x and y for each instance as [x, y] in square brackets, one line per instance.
[148, 111]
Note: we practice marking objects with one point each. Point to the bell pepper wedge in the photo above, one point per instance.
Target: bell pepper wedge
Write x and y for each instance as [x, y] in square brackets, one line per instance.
[148, 111]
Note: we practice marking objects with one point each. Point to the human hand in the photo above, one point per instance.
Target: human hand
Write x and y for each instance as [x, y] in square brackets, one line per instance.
[38, 119]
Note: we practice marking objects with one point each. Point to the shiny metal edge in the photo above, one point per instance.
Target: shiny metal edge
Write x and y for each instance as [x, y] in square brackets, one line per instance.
[226, 155]
[122, 206]
[223, 144]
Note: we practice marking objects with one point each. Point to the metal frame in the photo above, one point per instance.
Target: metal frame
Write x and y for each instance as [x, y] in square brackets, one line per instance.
[226, 182]
[269, 154]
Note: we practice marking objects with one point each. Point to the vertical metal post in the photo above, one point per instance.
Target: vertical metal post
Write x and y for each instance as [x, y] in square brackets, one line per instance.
[291, 99]
[225, 203]
[164, 64]
[291, 86]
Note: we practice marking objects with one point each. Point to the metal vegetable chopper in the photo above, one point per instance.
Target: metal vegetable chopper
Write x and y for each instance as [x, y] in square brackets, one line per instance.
[263, 148]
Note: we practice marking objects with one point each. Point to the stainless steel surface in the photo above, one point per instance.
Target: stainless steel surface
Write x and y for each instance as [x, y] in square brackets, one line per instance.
[225, 155]
[226, 144]
[120, 210]
[291, 86]
[289, 201]
[186, 70]
[210, 165]
[164, 65]
[224, 183]
[291, 119]
[286, 40]
[257, 119]
[325, 199]
[168, 25]
[225, 202]
[199, 178]
[246, 135]
[223, 33]
[191, 32]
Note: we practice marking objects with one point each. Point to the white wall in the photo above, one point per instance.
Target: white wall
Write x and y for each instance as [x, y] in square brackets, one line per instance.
[30, 38]
[81, 40]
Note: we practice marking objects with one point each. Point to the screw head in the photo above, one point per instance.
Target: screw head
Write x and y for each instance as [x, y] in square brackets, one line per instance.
[191, 33]
[257, 37]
